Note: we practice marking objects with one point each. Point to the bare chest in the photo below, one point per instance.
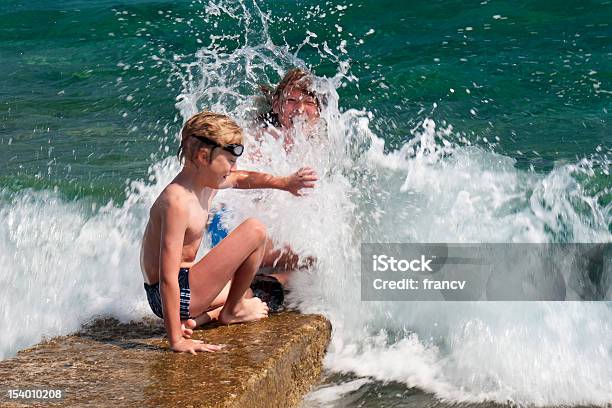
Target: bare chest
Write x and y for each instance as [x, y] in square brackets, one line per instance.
[196, 224]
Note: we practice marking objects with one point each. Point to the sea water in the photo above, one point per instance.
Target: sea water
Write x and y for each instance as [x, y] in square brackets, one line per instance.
[443, 122]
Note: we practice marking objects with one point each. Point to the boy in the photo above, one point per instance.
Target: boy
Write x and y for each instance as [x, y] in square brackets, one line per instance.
[293, 98]
[177, 287]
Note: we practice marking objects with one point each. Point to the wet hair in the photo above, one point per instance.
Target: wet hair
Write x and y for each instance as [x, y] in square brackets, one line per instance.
[214, 126]
[295, 78]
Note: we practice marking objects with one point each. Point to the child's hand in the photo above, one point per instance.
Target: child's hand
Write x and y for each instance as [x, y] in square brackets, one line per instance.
[303, 178]
[193, 346]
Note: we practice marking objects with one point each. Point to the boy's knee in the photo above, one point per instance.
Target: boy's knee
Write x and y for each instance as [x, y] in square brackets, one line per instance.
[256, 227]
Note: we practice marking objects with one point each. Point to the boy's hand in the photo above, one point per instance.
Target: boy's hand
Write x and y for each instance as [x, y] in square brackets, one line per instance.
[303, 178]
[193, 346]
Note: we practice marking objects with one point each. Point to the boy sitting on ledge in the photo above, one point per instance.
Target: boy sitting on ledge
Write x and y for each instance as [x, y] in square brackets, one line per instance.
[179, 290]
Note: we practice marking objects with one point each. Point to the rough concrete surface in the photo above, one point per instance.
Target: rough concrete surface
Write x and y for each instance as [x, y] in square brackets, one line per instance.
[270, 363]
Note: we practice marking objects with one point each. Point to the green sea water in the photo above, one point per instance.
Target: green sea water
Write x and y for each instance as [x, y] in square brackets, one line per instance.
[83, 106]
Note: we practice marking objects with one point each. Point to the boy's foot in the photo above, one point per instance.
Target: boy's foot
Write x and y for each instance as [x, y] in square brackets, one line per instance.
[187, 327]
[245, 311]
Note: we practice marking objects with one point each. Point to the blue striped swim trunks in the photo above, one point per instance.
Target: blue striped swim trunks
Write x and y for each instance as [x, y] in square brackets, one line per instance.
[154, 297]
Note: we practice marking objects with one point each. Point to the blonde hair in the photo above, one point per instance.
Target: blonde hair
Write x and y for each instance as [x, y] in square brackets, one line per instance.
[214, 126]
[295, 78]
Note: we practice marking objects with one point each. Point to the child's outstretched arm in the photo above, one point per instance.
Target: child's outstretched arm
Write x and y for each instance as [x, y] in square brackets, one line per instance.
[173, 226]
[303, 178]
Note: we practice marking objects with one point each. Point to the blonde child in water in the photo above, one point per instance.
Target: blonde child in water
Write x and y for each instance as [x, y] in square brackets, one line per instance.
[186, 293]
[292, 100]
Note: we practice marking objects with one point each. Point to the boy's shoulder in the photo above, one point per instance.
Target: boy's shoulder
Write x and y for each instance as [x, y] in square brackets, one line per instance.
[173, 196]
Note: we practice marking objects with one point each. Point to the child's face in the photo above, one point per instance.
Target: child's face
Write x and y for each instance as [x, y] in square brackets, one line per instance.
[297, 103]
[222, 164]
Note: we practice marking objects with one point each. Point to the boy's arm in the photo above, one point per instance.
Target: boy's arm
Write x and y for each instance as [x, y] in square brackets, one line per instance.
[173, 227]
[303, 178]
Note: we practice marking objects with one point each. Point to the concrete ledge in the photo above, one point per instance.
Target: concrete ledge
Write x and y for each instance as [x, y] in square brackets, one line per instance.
[271, 363]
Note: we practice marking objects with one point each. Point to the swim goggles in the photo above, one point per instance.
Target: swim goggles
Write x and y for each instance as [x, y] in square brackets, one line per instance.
[234, 148]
